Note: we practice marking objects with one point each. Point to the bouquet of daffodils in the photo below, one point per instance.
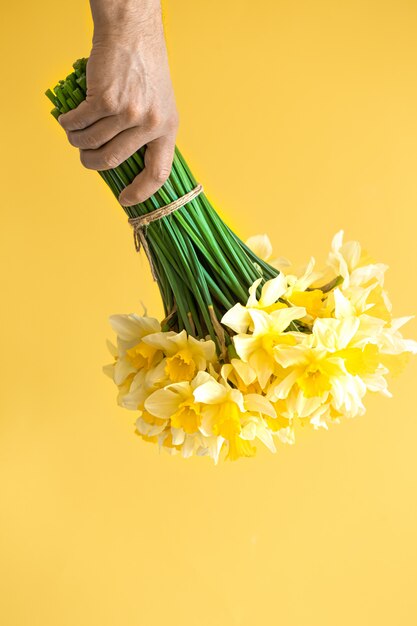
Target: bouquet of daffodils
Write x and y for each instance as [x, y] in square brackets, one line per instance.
[249, 348]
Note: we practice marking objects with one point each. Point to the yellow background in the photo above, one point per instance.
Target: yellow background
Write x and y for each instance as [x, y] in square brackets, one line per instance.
[300, 118]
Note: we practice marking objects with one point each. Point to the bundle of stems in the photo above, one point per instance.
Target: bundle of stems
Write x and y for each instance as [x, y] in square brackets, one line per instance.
[202, 267]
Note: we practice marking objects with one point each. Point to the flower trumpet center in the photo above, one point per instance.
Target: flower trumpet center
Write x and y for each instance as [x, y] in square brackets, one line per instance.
[271, 340]
[181, 366]
[188, 417]
[361, 361]
[314, 381]
[151, 419]
[311, 300]
[227, 421]
[227, 424]
[141, 356]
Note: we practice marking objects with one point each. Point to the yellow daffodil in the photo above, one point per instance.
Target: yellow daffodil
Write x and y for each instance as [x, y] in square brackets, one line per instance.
[239, 318]
[278, 293]
[132, 353]
[144, 383]
[176, 402]
[242, 376]
[257, 349]
[271, 379]
[226, 413]
[297, 408]
[149, 425]
[301, 293]
[261, 246]
[395, 351]
[353, 264]
[175, 407]
[185, 354]
[314, 302]
[318, 366]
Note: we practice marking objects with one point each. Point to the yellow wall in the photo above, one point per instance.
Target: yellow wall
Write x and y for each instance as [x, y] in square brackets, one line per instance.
[300, 118]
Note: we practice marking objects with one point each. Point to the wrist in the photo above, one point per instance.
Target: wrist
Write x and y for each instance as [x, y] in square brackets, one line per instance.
[118, 20]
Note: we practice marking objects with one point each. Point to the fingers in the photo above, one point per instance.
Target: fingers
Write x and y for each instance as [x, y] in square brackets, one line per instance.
[83, 116]
[97, 134]
[113, 153]
[158, 162]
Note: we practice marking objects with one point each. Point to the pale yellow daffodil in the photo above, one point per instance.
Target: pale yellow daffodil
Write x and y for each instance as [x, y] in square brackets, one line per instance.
[353, 264]
[257, 348]
[227, 413]
[132, 354]
[185, 354]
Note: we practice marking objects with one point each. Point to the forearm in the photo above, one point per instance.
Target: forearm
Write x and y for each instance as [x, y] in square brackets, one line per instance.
[124, 17]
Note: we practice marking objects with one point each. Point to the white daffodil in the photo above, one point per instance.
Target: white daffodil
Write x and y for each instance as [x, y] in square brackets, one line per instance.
[329, 362]
[241, 375]
[353, 264]
[325, 416]
[257, 428]
[303, 279]
[177, 403]
[185, 354]
[296, 407]
[320, 366]
[143, 384]
[278, 293]
[391, 341]
[261, 246]
[347, 393]
[132, 353]
[226, 411]
[257, 349]
[239, 319]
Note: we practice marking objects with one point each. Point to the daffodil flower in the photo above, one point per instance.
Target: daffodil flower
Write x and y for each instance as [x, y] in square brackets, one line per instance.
[185, 354]
[132, 353]
[271, 380]
[226, 411]
[144, 383]
[257, 349]
[353, 264]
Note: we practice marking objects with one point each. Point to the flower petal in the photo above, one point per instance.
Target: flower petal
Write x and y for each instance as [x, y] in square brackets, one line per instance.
[273, 289]
[258, 404]
[261, 246]
[237, 318]
[210, 392]
[163, 403]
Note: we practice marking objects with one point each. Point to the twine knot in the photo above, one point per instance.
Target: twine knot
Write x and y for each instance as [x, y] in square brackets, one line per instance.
[140, 223]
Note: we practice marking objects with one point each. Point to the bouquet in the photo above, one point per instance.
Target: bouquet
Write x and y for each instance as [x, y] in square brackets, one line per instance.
[249, 348]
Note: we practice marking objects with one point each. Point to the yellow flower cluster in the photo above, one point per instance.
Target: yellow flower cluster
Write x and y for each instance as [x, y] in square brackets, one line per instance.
[191, 402]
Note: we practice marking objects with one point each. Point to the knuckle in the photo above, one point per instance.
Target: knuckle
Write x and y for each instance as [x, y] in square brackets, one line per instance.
[90, 142]
[132, 112]
[154, 119]
[79, 124]
[74, 125]
[84, 140]
[108, 102]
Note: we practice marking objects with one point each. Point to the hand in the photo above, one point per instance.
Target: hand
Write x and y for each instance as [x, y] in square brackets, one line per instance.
[130, 103]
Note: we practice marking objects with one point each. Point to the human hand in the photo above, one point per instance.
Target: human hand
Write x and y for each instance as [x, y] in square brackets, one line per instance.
[130, 101]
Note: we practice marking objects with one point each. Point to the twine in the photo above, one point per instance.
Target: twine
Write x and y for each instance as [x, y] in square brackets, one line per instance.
[140, 223]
